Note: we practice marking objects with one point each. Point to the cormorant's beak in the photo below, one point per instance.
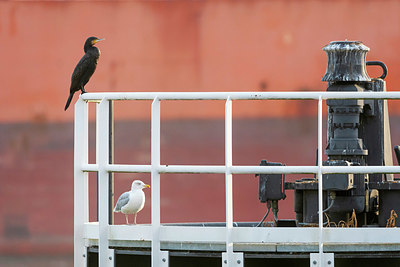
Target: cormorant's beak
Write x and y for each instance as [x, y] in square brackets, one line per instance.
[147, 186]
[98, 40]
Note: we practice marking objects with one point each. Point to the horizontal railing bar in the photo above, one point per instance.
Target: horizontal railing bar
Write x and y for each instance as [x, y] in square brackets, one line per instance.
[128, 168]
[265, 235]
[242, 169]
[238, 95]
[90, 167]
[314, 169]
[360, 169]
[192, 169]
[273, 169]
[118, 168]
[331, 235]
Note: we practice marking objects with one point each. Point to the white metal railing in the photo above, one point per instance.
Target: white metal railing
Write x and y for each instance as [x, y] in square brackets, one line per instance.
[157, 233]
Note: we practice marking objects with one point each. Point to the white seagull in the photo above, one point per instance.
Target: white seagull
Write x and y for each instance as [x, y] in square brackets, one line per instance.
[132, 202]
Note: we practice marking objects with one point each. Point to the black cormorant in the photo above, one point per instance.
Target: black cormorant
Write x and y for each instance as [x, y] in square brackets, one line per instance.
[85, 68]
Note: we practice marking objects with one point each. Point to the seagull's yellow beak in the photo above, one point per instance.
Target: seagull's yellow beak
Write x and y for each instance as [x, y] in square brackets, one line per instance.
[146, 186]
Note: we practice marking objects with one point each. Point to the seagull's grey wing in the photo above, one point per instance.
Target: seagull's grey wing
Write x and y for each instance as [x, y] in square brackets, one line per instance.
[122, 201]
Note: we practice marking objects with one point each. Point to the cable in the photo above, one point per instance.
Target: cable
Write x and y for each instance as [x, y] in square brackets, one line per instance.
[275, 211]
[265, 216]
[330, 206]
[332, 196]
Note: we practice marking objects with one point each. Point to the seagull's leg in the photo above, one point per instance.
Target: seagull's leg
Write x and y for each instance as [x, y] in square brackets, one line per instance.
[126, 217]
[135, 218]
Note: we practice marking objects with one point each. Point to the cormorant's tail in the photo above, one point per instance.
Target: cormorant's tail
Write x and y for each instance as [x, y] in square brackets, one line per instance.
[69, 100]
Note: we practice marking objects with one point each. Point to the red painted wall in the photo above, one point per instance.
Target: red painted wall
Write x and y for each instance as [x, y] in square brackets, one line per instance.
[166, 46]
[182, 46]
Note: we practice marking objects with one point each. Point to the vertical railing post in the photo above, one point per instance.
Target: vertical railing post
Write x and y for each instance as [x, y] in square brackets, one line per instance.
[320, 192]
[228, 180]
[81, 156]
[320, 259]
[111, 161]
[158, 257]
[229, 258]
[106, 255]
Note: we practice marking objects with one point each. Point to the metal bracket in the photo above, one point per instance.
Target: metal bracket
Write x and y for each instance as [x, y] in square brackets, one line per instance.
[110, 259]
[238, 259]
[328, 260]
[164, 256]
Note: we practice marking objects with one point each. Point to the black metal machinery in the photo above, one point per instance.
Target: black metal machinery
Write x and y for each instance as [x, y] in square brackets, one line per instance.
[358, 134]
